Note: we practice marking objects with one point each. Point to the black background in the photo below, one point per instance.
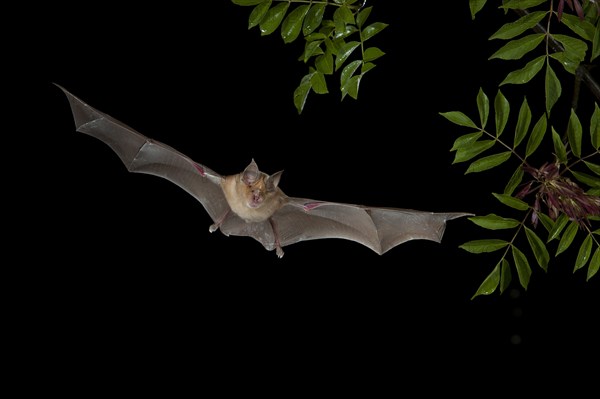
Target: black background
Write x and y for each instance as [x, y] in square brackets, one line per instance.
[125, 281]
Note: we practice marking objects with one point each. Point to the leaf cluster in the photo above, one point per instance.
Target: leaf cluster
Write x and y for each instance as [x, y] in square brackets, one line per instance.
[333, 31]
[563, 198]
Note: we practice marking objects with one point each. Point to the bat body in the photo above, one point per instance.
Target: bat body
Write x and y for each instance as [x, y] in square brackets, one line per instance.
[251, 203]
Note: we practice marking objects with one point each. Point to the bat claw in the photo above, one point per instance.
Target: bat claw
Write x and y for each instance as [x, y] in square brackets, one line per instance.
[213, 227]
[279, 252]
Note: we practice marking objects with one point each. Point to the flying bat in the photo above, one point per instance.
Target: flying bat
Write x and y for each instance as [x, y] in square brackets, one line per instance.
[250, 203]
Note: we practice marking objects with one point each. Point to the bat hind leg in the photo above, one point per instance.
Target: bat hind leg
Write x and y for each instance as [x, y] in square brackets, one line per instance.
[278, 249]
[215, 226]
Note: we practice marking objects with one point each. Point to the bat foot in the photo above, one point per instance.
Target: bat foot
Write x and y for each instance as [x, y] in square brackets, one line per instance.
[279, 252]
[213, 227]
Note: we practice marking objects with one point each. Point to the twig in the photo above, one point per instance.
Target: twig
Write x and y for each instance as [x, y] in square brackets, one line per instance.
[582, 73]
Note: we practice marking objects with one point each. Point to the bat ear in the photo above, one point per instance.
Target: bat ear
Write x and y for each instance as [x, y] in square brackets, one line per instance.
[273, 180]
[251, 173]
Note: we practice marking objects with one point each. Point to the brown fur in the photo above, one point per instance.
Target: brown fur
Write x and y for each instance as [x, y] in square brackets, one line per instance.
[253, 202]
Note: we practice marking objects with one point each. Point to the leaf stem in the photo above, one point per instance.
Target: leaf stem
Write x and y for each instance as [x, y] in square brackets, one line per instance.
[586, 76]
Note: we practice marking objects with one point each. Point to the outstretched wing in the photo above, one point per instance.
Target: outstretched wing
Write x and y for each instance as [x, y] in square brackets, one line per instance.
[143, 155]
[380, 229]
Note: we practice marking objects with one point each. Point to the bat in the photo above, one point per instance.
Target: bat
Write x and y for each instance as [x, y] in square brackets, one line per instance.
[250, 203]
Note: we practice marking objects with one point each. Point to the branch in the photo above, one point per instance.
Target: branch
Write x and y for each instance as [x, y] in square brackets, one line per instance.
[583, 73]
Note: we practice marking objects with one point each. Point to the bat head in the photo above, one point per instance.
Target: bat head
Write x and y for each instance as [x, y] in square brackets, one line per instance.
[259, 186]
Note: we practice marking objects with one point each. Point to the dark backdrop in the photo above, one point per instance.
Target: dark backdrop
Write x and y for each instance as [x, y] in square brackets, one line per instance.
[130, 281]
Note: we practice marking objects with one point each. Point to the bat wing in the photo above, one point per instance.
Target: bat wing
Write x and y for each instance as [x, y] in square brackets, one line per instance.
[298, 220]
[380, 229]
[143, 155]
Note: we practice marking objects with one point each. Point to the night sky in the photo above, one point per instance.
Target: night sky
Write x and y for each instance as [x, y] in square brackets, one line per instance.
[132, 275]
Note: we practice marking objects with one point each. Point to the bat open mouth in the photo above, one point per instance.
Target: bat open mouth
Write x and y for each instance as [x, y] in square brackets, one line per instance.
[255, 201]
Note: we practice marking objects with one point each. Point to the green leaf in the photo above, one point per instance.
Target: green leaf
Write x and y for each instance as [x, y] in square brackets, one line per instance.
[301, 93]
[468, 152]
[475, 6]
[339, 23]
[312, 48]
[248, 2]
[595, 126]
[522, 266]
[505, 275]
[588, 179]
[526, 73]
[490, 283]
[502, 108]
[574, 133]
[362, 16]
[313, 18]
[488, 162]
[513, 29]
[342, 19]
[372, 53]
[366, 67]
[324, 63]
[348, 71]
[566, 61]
[371, 30]
[572, 45]
[486, 245]
[559, 224]
[523, 122]
[459, 118]
[583, 255]
[292, 24]
[583, 28]
[344, 15]
[258, 13]
[567, 237]
[515, 49]
[344, 52]
[317, 36]
[494, 222]
[465, 140]
[553, 88]
[593, 167]
[483, 106]
[596, 43]
[512, 202]
[546, 221]
[318, 83]
[537, 134]
[594, 191]
[351, 88]
[332, 45]
[273, 18]
[520, 4]
[594, 264]
[559, 147]
[346, 31]
[574, 53]
[514, 181]
[539, 248]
